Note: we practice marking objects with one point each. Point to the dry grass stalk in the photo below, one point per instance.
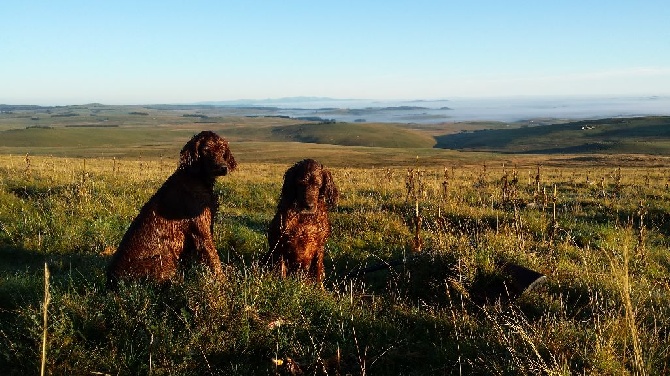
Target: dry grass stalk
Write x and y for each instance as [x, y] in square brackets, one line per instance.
[47, 299]
[553, 227]
[617, 182]
[418, 242]
[509, 187]
[27, 171]
[537, 182]
[445, 184]
[415, 188]
[505, 188]
[640, 250]
[622, 274]
[481, 180]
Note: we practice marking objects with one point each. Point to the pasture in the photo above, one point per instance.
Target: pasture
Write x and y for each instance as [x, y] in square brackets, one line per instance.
[596, 225]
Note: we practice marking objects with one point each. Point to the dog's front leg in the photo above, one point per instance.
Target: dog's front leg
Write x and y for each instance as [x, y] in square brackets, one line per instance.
[204, 247]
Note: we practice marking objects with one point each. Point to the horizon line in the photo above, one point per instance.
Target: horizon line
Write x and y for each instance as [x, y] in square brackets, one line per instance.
[298, 99]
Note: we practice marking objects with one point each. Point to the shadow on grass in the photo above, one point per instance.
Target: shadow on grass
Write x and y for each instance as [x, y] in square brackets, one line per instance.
[434, 280]
[22, 274]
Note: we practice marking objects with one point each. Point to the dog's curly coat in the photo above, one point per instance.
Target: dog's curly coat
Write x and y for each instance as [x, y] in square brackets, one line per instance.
[175, 226]
[299, 230]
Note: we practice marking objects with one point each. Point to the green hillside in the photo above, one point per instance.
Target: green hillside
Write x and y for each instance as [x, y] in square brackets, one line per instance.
[648, 135]
[354, 134]
[21, 135]
[82, 141]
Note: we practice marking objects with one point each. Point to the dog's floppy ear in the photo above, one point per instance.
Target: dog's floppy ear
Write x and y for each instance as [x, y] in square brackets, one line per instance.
[288, 189]
[228, 157]
[189, 156]
[328, 189]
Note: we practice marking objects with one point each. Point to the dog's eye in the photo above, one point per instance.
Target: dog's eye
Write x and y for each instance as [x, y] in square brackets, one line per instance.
[206, 148]
[305, 181]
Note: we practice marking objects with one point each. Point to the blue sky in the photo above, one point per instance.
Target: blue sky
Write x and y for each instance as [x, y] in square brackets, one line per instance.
[140, 52]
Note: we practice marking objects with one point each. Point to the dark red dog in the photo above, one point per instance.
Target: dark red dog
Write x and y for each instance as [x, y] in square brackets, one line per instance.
[175, 226]
[298, 232]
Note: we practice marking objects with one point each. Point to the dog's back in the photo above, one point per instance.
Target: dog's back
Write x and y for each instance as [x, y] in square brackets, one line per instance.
[153, 245]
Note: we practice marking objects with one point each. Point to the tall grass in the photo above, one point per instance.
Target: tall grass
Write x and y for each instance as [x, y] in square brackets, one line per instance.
[604, 308]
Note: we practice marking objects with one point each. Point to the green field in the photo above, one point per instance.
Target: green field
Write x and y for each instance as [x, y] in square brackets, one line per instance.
[71, 184]
[99, 130]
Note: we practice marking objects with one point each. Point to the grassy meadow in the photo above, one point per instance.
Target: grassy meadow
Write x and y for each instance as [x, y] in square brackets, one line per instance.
[596, 225]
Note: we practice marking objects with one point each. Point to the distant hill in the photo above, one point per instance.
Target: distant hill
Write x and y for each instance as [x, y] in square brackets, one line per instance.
[354, 134]
[273, 101]
[647, 135]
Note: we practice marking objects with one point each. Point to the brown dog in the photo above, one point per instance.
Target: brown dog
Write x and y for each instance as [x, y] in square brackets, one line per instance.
[175, 226]
[298, 232]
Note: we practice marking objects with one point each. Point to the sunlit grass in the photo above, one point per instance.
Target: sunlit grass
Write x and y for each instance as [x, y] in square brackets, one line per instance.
[604, 308]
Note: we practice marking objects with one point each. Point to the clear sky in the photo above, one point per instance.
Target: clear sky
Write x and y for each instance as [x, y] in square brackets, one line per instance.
[140, 52]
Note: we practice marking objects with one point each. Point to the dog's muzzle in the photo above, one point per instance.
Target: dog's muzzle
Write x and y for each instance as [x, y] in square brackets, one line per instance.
[222, 171]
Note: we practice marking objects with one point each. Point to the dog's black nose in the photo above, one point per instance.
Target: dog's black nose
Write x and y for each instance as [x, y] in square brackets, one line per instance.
[222, 170]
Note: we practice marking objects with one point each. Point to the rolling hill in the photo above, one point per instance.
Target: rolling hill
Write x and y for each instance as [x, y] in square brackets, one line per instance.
[646, 135]
[354, 134]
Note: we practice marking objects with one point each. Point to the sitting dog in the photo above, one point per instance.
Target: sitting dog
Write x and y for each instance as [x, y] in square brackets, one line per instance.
[297, 234]
[175, 226]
